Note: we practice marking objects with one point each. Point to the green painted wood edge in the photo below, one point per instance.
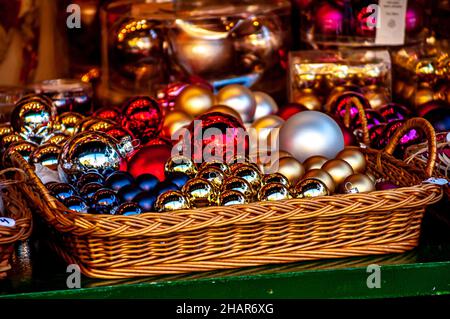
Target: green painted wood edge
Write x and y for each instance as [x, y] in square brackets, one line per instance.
[422, 279]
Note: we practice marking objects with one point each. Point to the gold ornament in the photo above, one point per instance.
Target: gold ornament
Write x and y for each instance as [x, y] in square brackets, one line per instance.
[99, 125]
[263, 126]
[322, 176]
[68, 122]
[292, 169]
[24, 148]
[357, 183]
[232, 197]
[309, 99]
[212, 174]
[46, 155]
[338, 169]
[240, 99]
[240, 185]
[276, 178]
[226, 110]
[372, 177]
[249, 172]
[170, 201]
[56, 138]
[194, 100]
[354, 157]
[200, 192]
[311, 187]
[180, 164]
[273, 192]
[313, 162]
[7, 140]
[173, 121]
[376, 96]
[265, 105]
[220, 165]
[423, 96]
[5, 129]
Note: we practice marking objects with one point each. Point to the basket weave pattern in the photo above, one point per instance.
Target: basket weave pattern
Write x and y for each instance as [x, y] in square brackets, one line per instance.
[259, 233]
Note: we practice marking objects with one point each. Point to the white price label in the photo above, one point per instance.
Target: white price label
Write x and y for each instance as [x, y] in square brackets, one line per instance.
[8, 222]
[391, 22]
[436, 180]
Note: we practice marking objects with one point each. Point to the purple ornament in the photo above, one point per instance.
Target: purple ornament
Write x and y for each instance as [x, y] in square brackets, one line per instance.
[339, 105]
[413, 18]
[373, 118]
[394, 111]
[384, 186]
[413, 136]
[329, 19]
[376, 136]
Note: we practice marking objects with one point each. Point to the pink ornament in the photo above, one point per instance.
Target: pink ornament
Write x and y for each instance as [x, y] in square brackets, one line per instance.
[413, 18]
[329, 19]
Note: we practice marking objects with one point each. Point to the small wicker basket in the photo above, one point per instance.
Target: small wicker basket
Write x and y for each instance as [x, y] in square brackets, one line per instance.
[16, 210]
[259, 233]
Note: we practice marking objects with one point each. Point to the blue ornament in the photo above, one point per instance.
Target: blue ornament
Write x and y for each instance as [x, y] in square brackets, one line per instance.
[127, 209]
[108, 171]
[50, 185]
[178, 179]
[128, 192]
[77, 204]
[147, 182]
[88, 190]
[62, 191]
[91, 177]
[165, 186]
[145, 200]
[119, 179]
[104, 200]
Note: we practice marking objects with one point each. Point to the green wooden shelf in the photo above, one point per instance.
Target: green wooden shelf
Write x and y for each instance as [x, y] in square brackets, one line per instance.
[425, 271]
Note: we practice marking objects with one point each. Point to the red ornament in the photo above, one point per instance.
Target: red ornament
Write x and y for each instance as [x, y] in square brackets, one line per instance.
[349, 137]
[148, 159]
[430, 106]
[143, 117]
[386, 185]
[218, 136]
[413, 136]
[393, 111]
[373, 118]
[329, 20]
[170, 93]
[160, 141]
[290, 109]
[119, 132]
[108, 113]
[376, 136]
[340, 103]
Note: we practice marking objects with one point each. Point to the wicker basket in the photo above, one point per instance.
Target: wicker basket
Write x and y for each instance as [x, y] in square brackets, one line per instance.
[260, 233]
[13, 201]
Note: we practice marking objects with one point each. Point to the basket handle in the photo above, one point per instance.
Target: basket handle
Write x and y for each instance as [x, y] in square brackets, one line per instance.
[362, 116]
[424, 125]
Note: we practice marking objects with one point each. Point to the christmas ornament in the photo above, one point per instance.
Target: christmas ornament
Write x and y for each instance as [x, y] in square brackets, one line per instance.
[174, 121]
[5, 129]
[178, 179]
[7, 140]
[413, 136]
[49, 185]
[104, 200]
[127, 209]
[423, 109]
[373, 118]
[149, 159]
[108, 113]
[309, 99]
[439, 118]
[313, 162]
[118, 132]
[289, 167]
[348, 100]
[88, 150]
[354, 157]
[290, 109]
[24, 148]
[311, 133]
[227, 110]
[88, 190]
[275, 178]
[165, 186]
[274, 191]
[213, 175]
[393, 111]
[63, 190]
[76, 204]
[216, 164]
[357, 183]
[100, 125]
[421, 96]
[180, 164]
[239, 98]
[385, 185]
[231, 197]
[33, 117]
[338, 169]
[147, 182]
[372, 177]
[265, 105]
[168, 95]
[67, 122]
[194, 100]
[119, 179]
[128, 192]
[200, 193]
[322, 176]
[263, 126]
[170, 201]
[143, 117]
[89, 177]
[240, 185]
[56, 138]
[376, 137]
[248, 172]
[217, 136]
[46, 155]
[329, 19]
[377, 96]
[413, 18]
[145, 200]
[338, 90]
[311, 187]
